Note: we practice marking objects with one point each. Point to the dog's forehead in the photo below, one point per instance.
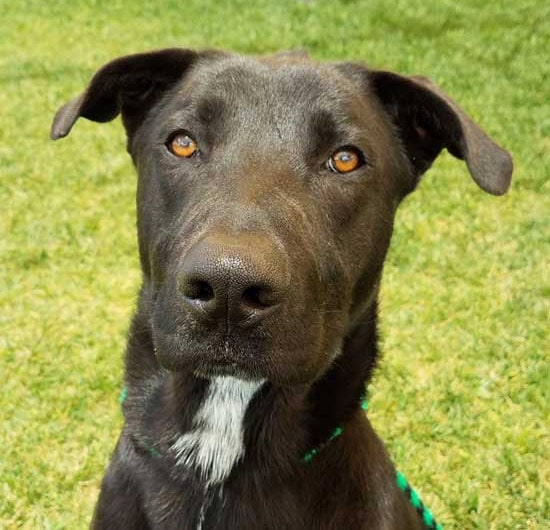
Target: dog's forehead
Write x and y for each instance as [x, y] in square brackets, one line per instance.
[289, 84]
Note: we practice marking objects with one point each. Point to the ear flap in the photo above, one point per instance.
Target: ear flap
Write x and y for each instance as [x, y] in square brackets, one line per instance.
[428, 120]
[129, 85]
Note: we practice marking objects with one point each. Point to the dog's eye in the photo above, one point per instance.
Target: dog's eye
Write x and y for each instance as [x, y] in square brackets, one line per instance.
[345, 160]
[182, 145]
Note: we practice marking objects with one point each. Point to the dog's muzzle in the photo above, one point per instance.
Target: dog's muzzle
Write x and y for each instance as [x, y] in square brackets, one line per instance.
[238, 280]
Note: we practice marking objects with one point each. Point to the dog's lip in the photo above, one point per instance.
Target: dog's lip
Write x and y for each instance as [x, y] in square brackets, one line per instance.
[224, 367]
[217, 358]
[220, 370]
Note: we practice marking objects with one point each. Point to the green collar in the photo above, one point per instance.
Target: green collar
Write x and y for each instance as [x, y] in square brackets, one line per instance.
[427, 518]
[308, 457]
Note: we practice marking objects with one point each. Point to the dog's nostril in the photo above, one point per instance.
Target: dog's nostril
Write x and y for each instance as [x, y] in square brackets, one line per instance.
[198, 290]
[258, 298]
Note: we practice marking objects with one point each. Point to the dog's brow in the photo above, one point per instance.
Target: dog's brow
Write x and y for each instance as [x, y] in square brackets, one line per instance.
[323, 132]
[210, 111]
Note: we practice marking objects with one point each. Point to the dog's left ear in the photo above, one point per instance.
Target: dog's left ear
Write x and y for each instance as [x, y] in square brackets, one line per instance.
[129, 85]
[428, 121]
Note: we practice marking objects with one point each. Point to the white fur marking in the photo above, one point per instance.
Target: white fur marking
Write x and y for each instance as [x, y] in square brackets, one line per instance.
[201, 516]
[215, 443]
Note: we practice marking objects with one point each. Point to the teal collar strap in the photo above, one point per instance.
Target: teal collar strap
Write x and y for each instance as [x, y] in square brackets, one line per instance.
[427, 518]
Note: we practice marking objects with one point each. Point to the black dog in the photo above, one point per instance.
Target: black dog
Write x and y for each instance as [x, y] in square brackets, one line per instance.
[266, 197]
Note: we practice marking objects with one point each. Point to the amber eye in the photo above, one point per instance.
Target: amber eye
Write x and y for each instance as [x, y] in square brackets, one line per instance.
[345, 160]
[183, 145]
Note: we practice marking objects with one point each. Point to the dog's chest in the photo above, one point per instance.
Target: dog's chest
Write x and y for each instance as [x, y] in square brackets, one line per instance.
[215, 443]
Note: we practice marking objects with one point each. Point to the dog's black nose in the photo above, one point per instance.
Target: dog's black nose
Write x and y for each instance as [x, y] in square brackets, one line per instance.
[236, 279]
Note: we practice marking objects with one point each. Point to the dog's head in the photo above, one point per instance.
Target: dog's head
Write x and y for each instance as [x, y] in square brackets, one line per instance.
[266, 196]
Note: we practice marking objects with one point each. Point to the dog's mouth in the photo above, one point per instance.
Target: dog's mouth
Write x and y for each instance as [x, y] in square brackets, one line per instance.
[290, 346]
[208, 354]
[249, 356]
[225, 368]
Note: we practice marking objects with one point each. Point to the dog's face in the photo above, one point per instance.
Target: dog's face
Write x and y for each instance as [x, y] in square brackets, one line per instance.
[266, 197]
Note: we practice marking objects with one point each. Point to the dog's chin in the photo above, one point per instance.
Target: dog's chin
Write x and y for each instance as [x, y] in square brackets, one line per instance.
[239, 359]
[209, 371]
[210, 358]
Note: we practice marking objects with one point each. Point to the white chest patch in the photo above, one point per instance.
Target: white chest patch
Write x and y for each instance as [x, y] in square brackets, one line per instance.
[215, 443]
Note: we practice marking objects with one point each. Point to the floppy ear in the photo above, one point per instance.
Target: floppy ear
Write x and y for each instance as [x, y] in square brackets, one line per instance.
[129, 85]
[428, 120]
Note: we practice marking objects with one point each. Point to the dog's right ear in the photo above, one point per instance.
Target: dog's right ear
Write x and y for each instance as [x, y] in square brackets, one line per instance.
[428, 120]
[128, 85]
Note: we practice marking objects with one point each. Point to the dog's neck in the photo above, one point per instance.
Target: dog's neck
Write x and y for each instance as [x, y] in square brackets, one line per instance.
[284, 424]
[335, 397]
[225, 423]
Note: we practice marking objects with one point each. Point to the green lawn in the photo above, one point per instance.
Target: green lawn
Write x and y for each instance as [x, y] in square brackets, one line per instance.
[462, 396]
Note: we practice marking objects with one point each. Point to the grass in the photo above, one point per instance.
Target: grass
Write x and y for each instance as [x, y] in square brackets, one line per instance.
[462, 396]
